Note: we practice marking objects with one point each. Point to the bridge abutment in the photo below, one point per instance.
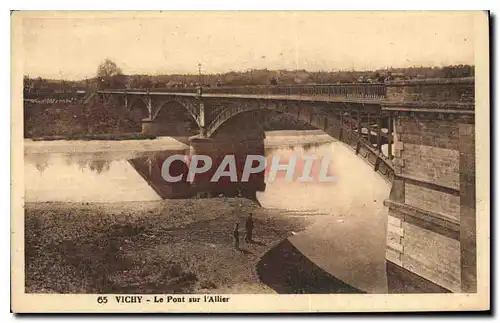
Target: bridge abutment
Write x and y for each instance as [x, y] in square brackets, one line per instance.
[431, 221]
[151, 127]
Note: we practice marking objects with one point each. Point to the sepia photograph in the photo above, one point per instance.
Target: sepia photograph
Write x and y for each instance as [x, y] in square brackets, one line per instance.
[248, 161]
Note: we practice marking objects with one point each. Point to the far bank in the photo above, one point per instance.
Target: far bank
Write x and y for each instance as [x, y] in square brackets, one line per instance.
[273, 139]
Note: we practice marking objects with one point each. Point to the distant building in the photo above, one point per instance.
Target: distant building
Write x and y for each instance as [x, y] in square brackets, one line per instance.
[398, 76]
[364, 79]
[392, 76]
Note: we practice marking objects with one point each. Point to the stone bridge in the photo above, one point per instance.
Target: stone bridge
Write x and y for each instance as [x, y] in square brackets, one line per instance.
[426, 125]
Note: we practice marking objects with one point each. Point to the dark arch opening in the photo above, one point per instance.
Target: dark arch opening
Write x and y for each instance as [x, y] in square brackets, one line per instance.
[175, 120]
[268, 120]
[242, 126]
[138, 111]
[298, 120]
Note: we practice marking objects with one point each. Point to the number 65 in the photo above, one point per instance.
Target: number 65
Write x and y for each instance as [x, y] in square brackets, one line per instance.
[102, 299]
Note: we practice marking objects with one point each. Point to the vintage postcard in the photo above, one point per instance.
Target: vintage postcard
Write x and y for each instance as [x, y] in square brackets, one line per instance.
[250, 161]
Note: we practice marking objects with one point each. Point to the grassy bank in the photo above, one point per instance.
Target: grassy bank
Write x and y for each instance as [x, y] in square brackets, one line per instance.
[175, 246]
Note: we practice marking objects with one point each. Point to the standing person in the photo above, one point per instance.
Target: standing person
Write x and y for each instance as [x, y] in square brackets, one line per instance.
[236, 235]
[249, 228]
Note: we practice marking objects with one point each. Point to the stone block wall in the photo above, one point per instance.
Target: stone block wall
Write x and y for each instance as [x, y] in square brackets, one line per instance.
[428, 155]
[424, 216]
[444, 90]
[429, 254]
[445, 204]
[468, 207]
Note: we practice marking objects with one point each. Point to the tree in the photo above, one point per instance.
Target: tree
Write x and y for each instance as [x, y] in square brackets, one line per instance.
[26, 83]
[110, 75]
[273, 81]
[108, 68]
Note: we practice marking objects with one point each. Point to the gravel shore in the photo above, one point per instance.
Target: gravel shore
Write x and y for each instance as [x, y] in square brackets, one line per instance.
[171, 246]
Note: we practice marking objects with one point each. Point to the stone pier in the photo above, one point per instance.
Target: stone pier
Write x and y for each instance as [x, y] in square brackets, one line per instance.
[431, 223]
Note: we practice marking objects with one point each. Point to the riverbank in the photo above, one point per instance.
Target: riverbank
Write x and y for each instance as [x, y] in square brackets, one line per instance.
[172, 246]
[98, 146]
[285, 138]
[113, 137]
[273, 139]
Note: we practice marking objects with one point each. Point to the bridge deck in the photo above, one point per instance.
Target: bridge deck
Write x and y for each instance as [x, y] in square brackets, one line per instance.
[387, 104]
[317, 98]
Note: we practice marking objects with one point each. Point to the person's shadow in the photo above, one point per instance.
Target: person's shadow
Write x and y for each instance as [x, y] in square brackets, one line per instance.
[245, 251]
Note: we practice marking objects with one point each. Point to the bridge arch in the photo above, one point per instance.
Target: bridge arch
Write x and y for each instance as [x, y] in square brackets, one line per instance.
[186, 106]
[174, 118]
[334, 121]
[138, 109]
[330, 123]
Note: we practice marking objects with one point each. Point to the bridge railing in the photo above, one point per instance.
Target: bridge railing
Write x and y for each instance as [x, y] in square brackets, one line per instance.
[346, 91]
[55, 97]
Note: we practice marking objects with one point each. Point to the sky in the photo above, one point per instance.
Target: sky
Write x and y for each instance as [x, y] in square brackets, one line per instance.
[71, 45]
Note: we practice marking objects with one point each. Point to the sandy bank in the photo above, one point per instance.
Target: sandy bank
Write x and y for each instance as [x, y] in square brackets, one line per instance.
[286, 138]
[273, 139]
[82, 146]
[171, 246]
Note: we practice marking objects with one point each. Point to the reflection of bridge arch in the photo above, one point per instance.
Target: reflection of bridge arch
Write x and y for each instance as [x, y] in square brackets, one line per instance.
[150, 169]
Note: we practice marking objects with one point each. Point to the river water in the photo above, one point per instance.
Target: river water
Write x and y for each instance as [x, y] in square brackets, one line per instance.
[347, 238]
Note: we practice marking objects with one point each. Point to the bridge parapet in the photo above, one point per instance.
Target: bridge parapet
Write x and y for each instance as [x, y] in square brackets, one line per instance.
[459, 90]
[352, 90]
[325, 91]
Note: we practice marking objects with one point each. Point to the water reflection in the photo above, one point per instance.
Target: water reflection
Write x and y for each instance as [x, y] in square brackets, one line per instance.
[348, 236]
[305, 147]
[131, 176]
[135, 176]
[74, 177]
[99, 166]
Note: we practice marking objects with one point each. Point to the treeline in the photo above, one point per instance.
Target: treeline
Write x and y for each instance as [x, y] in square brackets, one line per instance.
[76, 119]
[250, 77]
